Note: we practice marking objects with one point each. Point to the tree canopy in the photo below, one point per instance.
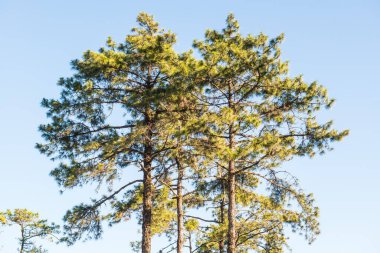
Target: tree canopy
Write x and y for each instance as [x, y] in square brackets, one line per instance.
[259, 117]
[31, 228]
[170, 134]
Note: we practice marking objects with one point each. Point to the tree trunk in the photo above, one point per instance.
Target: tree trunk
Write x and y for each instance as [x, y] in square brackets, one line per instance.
[222, 209]
[231, 209]
[148, 188]
[231, 187]
[147, 212]
[221, 242]
[22, 239]
[190, 244]
[179, 209]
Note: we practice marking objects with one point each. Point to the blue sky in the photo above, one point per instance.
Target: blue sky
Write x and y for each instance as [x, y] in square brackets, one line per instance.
[333, 42]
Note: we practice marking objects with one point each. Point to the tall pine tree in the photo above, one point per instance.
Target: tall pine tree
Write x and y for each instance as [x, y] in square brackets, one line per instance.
[111, 118]
[260, 116]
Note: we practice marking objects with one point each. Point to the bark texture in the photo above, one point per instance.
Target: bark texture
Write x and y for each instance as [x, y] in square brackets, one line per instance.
[180, 238]
[231, 209]
[148, 186]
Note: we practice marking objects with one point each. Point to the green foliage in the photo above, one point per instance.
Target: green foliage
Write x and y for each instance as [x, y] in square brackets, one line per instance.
[258, 117]
[246, 86]
[31, 228]
[139, 104]
[134, 82]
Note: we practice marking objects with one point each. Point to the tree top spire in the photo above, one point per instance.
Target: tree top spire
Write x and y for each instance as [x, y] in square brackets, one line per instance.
[146, 23]
[232, 25]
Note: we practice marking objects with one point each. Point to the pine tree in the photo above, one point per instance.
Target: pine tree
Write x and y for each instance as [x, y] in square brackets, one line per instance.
[222, 125]
[31, 227]
[259, 115]
[127, 83]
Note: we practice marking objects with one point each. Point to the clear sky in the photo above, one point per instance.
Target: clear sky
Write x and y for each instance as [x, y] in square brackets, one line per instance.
[335, 42]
